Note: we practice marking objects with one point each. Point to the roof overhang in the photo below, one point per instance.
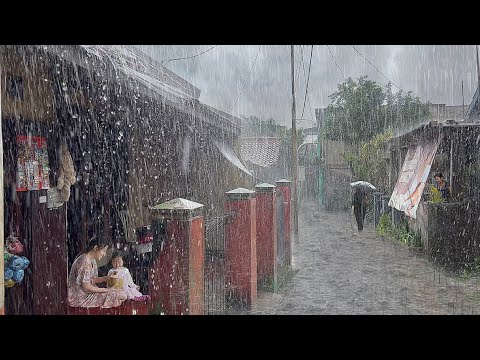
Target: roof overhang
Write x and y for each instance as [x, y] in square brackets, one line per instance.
[428, 131]
[165, 86]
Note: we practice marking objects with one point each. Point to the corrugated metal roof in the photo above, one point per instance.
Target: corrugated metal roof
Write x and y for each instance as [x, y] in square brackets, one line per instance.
[140, 66]
[155, 78]
[430, 129]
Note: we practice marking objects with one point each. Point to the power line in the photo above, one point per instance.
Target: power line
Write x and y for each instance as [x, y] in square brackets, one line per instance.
[248, 78]
[165, 62]
[308, 95]
[311, 110]
[308, 78]
[339, 68]
[376, 68]
[301, 64]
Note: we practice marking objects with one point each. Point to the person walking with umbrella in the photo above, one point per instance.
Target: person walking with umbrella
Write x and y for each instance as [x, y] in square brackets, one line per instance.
[360, 201]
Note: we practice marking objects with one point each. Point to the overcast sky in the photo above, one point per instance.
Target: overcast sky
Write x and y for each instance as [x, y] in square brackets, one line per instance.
[432, 72]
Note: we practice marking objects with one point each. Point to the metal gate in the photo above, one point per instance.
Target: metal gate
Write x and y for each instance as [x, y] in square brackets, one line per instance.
[280, 228]
[214, 282]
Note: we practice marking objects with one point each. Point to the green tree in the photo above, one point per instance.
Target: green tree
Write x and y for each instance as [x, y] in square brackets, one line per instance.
[369, 163]
[361, 109]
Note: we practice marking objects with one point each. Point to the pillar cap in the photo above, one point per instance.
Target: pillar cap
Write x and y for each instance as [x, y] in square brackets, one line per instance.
[265, 187]
[240, 194]
[177, 209]
[283, 182]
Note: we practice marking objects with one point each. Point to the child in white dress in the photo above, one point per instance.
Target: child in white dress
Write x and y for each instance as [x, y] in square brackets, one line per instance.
[118, 271]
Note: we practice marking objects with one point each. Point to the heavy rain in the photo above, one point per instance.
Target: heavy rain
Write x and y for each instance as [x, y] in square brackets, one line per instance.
[240, 179]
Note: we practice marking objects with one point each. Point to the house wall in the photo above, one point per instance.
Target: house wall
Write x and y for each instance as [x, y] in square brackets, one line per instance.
[420, 224]
[42, 231]
[338, 175]
[450, 230]
[37, 100]
[453, 230]
[171, 154]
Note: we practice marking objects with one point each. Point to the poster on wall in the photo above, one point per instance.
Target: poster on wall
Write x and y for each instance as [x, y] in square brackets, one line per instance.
[410, 184]
[32, 163]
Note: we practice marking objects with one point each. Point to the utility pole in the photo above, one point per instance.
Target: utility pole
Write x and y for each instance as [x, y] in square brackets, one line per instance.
[294, 154]
[320, 155]
[463, 102]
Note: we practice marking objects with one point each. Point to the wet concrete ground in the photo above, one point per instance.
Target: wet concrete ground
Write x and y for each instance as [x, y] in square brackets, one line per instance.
[338, 271]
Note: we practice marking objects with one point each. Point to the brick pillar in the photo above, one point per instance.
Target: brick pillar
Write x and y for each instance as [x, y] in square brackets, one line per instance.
[284, 186]
[266, 236]
[240, 248]
[176, 276]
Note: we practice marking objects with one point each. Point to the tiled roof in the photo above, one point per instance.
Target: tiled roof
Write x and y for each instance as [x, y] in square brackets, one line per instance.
[262, 151]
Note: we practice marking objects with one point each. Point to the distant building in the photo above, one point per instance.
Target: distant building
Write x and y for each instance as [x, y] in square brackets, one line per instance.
[336, 175]
[442, 112]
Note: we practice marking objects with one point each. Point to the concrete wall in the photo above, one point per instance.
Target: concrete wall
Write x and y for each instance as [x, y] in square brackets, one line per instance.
[442, 112]
[449, 232]
[420, 224]
[35, 77]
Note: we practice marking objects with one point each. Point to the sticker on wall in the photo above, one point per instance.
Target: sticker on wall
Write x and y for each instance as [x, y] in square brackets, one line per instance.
[53, 199]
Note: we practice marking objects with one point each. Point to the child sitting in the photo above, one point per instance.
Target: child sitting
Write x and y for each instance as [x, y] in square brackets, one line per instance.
[120, 277]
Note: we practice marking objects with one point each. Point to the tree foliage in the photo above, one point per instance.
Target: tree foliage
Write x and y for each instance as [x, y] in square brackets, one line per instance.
[361, 109]
[369, 162]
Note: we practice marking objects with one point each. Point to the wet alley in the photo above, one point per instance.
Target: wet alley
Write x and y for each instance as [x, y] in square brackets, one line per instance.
[190, 167]
[338, 271]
